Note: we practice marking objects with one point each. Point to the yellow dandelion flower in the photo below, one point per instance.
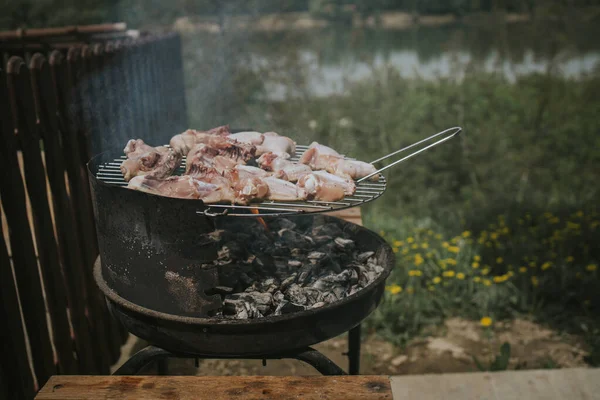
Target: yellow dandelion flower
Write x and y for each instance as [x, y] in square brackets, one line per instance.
[477, 258]
[405, 251]
[448, 274]
[523, 270]
[486, 321]
[487, 282]
[414, 272]
[591, 267]
[424, 245]
[454, 240]
[493, 236]
[509, 274]
[410, 240]
[394, 289]
[438, 236]
[475, 265]
[445, 245]
[398, 243]
[418, 260]
[546, 265]
[460, 276]
[505, 230]
[466, 234]
[414, 246]
[442, 264]
[499, 260]
[534, 281]
[451, 261]
[485, 271]
[570, 259]
[453, 249]
[500, 278]
[381, 233]
[477, 279]
[437, 280]
[395, 249]
[573, 226]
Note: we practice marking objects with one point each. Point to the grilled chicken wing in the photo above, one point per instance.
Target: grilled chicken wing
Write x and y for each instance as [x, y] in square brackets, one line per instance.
[182, 187]
[320, 188]
[249, 137]
[274, 143]
[143, 159]
[281, 190]
[283, 168]
[320, 157]
[247, 185]
[346, 182]
[183, 142]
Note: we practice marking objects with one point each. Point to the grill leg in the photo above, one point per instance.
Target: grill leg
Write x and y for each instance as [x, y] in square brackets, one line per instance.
[354, 350]
[142, 358]
[321, 363]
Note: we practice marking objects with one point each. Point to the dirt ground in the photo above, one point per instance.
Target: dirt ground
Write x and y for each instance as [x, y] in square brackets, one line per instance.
[448, 349]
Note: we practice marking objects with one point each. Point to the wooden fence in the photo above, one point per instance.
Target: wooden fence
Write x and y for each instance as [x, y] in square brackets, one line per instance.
[59, 104]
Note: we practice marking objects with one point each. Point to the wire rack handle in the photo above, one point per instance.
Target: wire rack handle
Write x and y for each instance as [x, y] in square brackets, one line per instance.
[450, 132]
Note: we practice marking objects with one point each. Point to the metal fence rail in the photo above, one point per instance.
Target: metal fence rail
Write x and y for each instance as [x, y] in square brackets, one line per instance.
[57, 108]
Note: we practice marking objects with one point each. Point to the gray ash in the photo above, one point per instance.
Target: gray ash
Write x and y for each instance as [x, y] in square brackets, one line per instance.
[293, 266]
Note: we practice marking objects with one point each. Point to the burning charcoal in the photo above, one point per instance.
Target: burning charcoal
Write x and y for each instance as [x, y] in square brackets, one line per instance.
[333, 266]
[294, 238]
[222, 290]
[317, 305]
[296, 252]
[295, 294]
[232, 250]
[378, 269]
[285, 223]
[321, 240]
[278, 297]
[294, 263]
[290, 307]
[304, 275]
[313, 295]
[287, 282]
[371, 276]
[329, 298]
[236, 308]
[331, 230]
[363, 257]
[353, 289]
[262, 301]
[339, 291]
[315, 255]
[345, 244]
[353, 277]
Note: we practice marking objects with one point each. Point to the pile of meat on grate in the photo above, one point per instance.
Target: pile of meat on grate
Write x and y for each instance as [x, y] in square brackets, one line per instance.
[238, 168]
[293, 265]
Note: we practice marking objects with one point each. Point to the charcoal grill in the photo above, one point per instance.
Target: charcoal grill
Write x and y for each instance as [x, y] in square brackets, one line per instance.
[143, 235]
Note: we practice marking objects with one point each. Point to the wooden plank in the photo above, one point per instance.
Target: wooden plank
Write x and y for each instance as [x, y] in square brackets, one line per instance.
[26, 267]
[572, 384]
[350, 214]
[216, 387]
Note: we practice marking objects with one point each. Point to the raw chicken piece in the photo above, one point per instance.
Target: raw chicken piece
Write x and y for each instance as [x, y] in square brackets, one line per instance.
[283, 168]
[281, 190]
[250, 137]
[320, 157]
[246, 185]
[274, 143]
[248, 171]
[222, 155]
[319, 188]
[353, 169]
[181, 187]
[211, 175]
[143, 159]
[346, 182]
[183, 142]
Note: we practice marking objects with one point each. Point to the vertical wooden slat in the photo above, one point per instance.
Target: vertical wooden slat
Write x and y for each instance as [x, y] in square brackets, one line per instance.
[12, 193]
[35, 177]
[180, 103]
[18, 379]
[69, 241]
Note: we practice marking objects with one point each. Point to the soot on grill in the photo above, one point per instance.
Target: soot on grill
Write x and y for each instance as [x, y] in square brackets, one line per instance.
[288, 266]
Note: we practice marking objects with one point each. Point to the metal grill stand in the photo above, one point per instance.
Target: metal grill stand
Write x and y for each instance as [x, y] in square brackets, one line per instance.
[314, 358]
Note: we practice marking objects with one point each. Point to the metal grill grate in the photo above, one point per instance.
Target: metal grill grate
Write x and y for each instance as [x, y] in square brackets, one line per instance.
[365, 191]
